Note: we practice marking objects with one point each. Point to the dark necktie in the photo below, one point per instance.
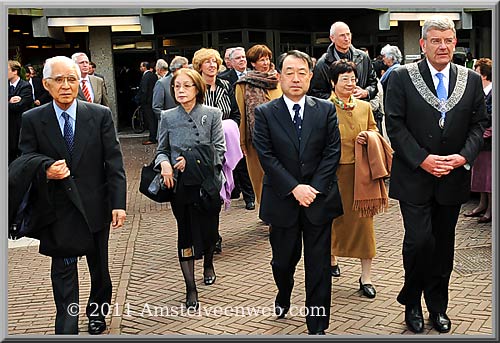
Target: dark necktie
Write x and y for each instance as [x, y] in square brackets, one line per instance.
[442, 96]
[297, 120]
[69, 136]
[11, 90]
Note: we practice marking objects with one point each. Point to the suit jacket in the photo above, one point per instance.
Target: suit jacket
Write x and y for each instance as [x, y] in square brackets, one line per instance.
[412, 126]
[229, 75]
[97, 173]
[41, 93]
[99, 89]
[162, 99]
[24, 90]
[146, 86]
[286, 164]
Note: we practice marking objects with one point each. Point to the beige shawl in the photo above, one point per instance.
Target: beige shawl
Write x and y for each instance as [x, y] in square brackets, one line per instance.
[373, 163]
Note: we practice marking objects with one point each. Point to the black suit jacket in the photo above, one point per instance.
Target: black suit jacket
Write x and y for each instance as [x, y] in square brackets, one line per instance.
[41, 93]
[286, 164]
[412, 126]
[146, 86]
[229, 75]
[24, 90]
[97, 178]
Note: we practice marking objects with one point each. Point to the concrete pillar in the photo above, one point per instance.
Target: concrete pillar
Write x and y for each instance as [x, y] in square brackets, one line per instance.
[101, 53]
[411, 36]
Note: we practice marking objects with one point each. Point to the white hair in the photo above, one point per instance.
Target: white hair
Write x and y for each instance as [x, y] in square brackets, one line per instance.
[49, 62]
[75, 56]
[438, 22]
[334, 27]
[392, 52]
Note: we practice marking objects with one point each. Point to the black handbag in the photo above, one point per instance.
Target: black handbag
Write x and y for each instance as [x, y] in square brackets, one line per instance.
[152, 185]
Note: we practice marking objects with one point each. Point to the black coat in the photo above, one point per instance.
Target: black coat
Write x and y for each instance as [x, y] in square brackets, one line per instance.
[24, 90]
[41, 93]
[286, 164]
[97, 173]
[412, 126]
[146, 87]
[321, 85]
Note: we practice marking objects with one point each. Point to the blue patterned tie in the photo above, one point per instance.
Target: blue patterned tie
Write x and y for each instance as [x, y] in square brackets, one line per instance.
[11, 91]
[297, 120]
[442, 96]
[69, 136]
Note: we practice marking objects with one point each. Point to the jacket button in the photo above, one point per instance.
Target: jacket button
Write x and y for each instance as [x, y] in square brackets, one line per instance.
[430, 136]
[69, 188]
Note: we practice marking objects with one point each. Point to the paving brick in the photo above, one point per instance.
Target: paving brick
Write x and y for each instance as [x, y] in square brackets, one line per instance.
[145, 272]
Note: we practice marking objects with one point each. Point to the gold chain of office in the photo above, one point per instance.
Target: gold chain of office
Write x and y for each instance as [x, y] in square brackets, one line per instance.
[429, 97]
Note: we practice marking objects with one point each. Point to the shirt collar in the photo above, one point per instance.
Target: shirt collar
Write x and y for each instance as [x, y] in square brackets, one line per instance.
[15, 82]
[445, 71]
[289, 104]
[71, 110]
[86, 78]
[487, 89]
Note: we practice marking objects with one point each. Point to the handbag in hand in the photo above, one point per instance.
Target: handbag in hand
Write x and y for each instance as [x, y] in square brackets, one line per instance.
[152, 185]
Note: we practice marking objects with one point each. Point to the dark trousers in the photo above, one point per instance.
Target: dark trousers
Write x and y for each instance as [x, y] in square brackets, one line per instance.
[428, 250]
[286, 244]
[151, 122]
[242, 182]
[65, 286]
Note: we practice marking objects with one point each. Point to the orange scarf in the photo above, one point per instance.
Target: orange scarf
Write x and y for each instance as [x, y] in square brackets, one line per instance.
[373, 163]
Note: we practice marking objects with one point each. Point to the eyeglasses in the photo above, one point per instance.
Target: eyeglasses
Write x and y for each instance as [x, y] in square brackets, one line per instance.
[348, 79]
[185, 86]
[60, 79]
[439, 41]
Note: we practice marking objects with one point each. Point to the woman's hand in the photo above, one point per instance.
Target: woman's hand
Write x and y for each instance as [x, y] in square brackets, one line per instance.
[167, 173]
[181, 164]
[361, 138]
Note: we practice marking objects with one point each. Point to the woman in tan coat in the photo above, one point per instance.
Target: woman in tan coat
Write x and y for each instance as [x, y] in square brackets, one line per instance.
[258, 86]
[352, 235]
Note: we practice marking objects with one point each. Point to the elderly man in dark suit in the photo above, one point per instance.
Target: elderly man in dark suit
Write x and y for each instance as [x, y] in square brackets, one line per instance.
[81, 140]
[435, 121]
[238, 66]
[20, 100]
[298, 143]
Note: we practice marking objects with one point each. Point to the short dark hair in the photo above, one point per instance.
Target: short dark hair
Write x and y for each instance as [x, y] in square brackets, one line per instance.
[297, 54]
[342, 66]
[198, 82]
[145, 64]
[93, 64]
[484, 65]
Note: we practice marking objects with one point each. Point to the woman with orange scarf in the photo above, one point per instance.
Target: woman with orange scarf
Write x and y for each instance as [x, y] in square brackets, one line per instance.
[258, 86]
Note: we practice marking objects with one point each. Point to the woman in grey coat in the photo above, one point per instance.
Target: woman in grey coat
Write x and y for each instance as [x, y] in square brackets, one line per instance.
[183, 130]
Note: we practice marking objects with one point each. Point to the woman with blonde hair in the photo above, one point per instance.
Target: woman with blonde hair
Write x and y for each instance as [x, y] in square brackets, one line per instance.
[258, 86]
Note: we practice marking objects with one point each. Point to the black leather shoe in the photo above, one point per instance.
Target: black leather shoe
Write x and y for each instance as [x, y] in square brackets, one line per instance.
[96, 326]
[368, 289]
[322, 332]
[192, 304]
[281, 310]
[335, 270]
[250, 205]
[209, 279]
[440, 322]
[218, 246]
[414, 318]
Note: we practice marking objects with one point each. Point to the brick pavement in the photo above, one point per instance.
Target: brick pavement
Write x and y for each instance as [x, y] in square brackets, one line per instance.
[147, 278]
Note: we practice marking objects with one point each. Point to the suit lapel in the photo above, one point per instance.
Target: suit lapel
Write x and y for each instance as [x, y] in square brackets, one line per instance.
[307, 123]
[81, 96]
[93, 84]
[84, 124]
[453, 79]
[427, 76]
[52, 131]
[283, 117]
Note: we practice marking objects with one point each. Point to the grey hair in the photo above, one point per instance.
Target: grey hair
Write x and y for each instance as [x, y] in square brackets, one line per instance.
[334, 26]
[78, 54]
[161, 64]
[438, 22]
[239, 48]
[177, 63]
[49, 62]
[392, 52]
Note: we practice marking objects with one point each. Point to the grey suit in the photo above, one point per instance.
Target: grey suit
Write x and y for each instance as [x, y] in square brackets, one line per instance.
[162, 99]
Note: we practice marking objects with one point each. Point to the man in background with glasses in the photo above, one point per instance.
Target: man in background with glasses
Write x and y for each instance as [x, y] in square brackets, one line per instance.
[436, 117]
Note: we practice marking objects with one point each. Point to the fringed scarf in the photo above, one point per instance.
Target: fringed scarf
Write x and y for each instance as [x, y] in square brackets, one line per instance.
[373, 162]
[348, 106]
[256, 84]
